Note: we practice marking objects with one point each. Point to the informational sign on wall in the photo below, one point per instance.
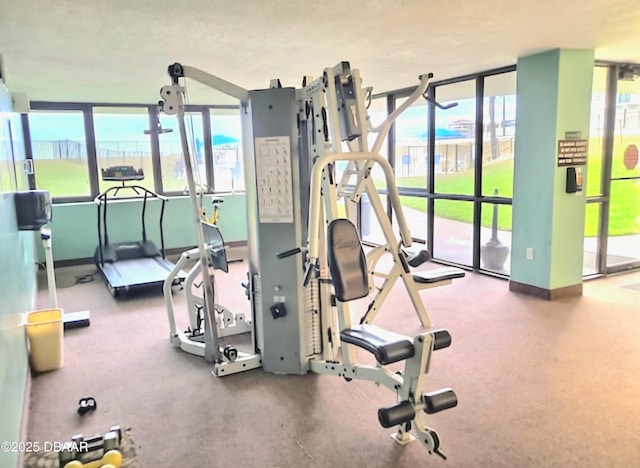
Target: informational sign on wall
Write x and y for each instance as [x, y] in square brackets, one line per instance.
[573, 150]
[273, 172]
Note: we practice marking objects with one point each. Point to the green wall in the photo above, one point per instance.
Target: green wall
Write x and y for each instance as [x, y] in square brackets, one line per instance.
[17, 285]
[533, 185]
[575, 86]
[75, 232]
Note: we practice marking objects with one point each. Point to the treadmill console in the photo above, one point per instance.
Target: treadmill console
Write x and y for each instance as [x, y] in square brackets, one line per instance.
[122, 173]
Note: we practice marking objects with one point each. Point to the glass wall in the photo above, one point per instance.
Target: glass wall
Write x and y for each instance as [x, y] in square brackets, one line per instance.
[411, 146]
[495, 238]
[594, 167]
[623, 243]
[444, 201]
[590, 258]
[498, 138]
[60, 153]
[72, 143]
[452, 235]
[597, 131]
[455, 138]
[369, 226]
[612, 216]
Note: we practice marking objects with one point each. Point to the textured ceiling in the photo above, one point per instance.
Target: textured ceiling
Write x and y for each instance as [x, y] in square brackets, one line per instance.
[118, 50]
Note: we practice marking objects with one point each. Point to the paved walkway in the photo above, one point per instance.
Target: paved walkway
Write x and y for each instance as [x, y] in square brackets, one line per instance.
[453, 241]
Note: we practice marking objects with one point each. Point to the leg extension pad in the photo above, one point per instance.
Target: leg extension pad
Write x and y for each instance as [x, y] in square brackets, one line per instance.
[401, 413]
[439, 400]
[441, 339]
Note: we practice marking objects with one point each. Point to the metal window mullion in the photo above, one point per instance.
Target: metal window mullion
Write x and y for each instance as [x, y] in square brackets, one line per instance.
[208, 148]
[92, 156]
[607, 162]
[391, 144]
[28, 150]
[155, 150]
[477, 184]
[431, 177]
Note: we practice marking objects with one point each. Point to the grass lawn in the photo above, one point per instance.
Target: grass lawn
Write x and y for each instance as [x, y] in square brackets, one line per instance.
[625, 194]
[69, 178]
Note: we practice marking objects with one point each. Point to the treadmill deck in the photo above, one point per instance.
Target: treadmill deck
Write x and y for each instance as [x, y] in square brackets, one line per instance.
[138, 272]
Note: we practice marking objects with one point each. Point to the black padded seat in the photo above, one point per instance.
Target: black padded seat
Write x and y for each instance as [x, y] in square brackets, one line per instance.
[347, 262]
[386, 346]
[438, 274]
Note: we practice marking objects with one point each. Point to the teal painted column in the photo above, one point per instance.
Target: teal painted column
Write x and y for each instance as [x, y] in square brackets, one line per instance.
[553, 103]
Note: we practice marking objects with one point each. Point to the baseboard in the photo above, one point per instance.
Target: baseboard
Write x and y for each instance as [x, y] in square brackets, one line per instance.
[24, 430]
[168, 252]
[546, 294]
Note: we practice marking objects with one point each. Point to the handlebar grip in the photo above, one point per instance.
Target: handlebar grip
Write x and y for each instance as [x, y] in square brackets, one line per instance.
[446, 106]
[438, 105]
[288, 253]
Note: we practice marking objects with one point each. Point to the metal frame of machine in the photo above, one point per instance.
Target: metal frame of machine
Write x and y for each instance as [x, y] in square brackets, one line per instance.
[227, 323]
[292, 139]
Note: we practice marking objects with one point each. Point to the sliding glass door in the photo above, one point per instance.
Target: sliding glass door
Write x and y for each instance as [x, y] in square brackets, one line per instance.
[623, 233]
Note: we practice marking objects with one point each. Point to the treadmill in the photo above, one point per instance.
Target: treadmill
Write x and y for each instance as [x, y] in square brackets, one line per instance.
[137, 264]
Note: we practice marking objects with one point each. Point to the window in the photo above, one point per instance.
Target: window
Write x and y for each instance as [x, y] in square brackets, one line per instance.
[120, 140]
[596, 131]
[369, 225]
[411, 146]
[455, 138]
[495, 238]
[171, 157]
[60, 153]
[453, 231]
[498, 138]
[226, 139]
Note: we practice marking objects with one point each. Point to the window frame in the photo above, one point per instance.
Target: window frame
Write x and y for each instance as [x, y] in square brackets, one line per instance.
[87, 110]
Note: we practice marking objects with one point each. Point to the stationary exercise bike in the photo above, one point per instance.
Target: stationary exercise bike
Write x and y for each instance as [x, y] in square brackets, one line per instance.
[193, 339]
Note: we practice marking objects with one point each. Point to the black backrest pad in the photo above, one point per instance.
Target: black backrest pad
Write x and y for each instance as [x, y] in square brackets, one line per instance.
[215, 245]
[347, 262]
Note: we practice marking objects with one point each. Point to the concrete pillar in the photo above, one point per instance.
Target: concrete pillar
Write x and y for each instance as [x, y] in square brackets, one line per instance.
[553, 105]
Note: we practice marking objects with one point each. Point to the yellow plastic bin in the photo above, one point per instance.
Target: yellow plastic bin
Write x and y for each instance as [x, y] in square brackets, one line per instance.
[45, 330]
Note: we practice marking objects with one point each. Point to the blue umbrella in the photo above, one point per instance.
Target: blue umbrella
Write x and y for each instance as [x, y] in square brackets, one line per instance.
[223, 140]
[443, 133]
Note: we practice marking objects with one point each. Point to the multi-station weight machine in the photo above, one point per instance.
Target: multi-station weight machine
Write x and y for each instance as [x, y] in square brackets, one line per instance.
[306, 261]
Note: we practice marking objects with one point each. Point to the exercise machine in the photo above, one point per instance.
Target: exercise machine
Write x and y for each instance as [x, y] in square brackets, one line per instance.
[134, 264]
[306, 262]
[192, 339]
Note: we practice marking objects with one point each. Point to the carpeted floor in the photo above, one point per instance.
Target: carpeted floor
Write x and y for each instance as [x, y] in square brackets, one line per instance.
[635, 285]
[539, 384]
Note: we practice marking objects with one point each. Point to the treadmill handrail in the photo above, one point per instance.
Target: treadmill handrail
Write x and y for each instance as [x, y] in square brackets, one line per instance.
[104, 196]
[102, 201]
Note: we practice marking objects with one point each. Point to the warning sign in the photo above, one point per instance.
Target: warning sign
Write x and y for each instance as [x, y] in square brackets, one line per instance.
[572, 152]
